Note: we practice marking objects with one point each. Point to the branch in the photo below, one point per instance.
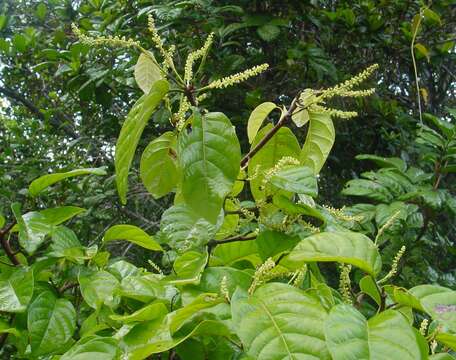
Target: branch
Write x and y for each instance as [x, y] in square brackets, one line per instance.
[18, 97]
[283, 119]
[214, 243]
[35, 110]
[6, 245]
[67, 286]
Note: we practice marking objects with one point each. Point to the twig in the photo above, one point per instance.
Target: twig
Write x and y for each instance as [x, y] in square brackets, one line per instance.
[283, 119]
[412, 50]
[67, 286]
[214, 243]
[6, 245]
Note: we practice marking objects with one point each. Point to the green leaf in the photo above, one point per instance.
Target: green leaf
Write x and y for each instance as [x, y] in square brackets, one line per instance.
[6, 328]
[404, 297]
[300, 117]
[209, 157]
[319, 141]
[230, 253]
[154, 337]
[423, 51]
[158, 168]
[437, 301]
[121, 269]
[212, 278]
[16, 290]
[144, 288]
[448, 340]
[345, 247]
[268, 32]
[188, 268]
[132, 234]
[441, 356]
[66, 244]
[387, 335]
[368, 287]
[34, 226]
[2, 221]
[3, 21]
[183, 230]
[131, 132]
[282, 144]
[257, 117]
[51, 322]
[272, 243]
[431, 16]
[444, 126]
[147, 313]
[384, 162]
[93, 347]
[99, 289]
[41, 11]
[280, 322]
[58, 215]
[297, 179]
[178, 318]
[45, 181]
[292, 208]
[369, 189]
[146, 72]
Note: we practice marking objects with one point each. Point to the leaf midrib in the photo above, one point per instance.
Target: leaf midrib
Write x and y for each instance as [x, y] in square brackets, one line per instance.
[276, 326]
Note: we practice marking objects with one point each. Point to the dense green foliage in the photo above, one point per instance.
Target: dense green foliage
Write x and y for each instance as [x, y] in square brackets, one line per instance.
[235, 175]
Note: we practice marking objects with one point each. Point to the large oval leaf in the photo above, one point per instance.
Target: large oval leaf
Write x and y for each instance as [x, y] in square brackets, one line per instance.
[51, 323]
[188, 268]
[158, 168]
[132, 234]
[386, 336]
[147, 313]
[257, 117]
[146, 72]
[282, 144]
[143, 288]
[297, 179]
[231, 253]
[345, 247]
[131, 132]
[183, 230]
[437, 301]
[34, 226]
[209, 157]
[45, 181]
[16, 291]
[98, 289]
[93, 347]
[280, 322]
[319, 141]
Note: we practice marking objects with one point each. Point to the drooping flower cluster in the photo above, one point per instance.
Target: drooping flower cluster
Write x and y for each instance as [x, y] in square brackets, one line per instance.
[298, 276]
[423, 327]
[387, 225]
[224, 289]
[260, 274]
[345, 283]
[394, 265]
